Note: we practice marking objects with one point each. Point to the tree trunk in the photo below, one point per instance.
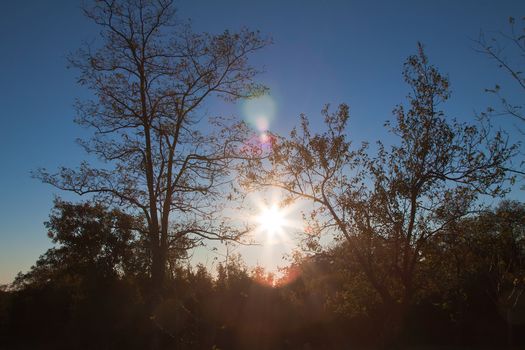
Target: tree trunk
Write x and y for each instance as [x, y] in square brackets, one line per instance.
[393, 325]
[158, 270]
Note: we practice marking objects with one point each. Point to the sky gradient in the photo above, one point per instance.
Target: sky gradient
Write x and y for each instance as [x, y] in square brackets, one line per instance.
[323, 52]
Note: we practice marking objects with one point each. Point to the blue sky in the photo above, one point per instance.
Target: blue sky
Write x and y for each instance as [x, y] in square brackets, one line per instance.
[323, 52]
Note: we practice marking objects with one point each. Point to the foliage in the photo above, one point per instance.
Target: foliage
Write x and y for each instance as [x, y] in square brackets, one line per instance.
[473, 277]
[388, 206]
[90, 242]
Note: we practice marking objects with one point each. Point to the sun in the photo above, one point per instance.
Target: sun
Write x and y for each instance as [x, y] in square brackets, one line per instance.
[274, 219]
[271, 220]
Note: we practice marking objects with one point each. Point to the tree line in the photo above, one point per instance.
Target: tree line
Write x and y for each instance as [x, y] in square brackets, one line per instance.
[89, 292]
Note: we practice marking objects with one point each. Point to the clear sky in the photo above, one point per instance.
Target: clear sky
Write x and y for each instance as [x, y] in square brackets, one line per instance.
[323, 52]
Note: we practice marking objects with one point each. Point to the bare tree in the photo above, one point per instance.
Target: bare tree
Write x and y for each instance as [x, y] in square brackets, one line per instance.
[507, 50]
[149, 75]
[498, 48]
[387, 207]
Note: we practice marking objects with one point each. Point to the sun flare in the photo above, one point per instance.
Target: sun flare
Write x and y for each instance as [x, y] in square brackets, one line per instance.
[271, 220]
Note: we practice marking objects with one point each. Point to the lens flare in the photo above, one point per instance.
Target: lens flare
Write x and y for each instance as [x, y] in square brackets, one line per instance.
[264, 138]
[262, 123]
[259, 112]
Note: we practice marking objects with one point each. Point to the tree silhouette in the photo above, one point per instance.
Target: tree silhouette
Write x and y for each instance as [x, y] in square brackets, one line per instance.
[497, 49]
[150, 74]
[507, 50]
[92, 244]
[471, 278]
[87, 281]
[388, 206]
